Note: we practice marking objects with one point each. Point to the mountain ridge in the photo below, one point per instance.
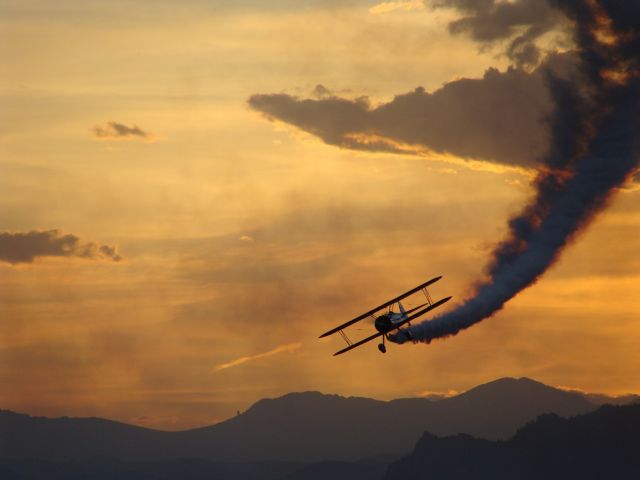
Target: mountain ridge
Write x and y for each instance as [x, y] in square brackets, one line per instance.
[596, 399]
[298, 427]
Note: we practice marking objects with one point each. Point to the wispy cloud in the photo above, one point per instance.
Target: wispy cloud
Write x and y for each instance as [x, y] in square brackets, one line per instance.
[118, 131]
[407, 5]
[290, 347]
[521, 23]
[436, 395]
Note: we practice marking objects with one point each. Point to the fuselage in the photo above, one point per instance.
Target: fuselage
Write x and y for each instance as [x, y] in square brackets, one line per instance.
[387, 322]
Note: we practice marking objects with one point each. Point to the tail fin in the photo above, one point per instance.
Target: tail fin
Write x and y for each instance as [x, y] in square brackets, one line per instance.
[402, 309]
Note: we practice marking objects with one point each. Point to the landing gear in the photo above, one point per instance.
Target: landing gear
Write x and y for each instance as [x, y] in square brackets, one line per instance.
[381, 346]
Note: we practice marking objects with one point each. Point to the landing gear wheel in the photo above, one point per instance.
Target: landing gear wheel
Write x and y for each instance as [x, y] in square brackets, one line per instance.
[382, 347]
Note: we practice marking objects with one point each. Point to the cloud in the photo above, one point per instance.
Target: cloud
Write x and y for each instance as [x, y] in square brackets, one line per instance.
[499, 117]
[406, 5]
[437, 395]
[519, 22]
[239, 361]
[320, 91]
[115, 131]
[26, 247]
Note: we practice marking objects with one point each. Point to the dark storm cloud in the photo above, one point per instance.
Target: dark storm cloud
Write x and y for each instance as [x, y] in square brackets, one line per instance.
[118, 130]
[500, 117]
[519, 22]
[26, 247]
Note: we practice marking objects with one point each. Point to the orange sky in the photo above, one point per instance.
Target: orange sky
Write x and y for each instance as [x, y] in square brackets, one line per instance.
[243, 239]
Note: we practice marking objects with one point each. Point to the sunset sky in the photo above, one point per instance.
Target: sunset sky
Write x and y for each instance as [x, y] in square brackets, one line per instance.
[187, 205]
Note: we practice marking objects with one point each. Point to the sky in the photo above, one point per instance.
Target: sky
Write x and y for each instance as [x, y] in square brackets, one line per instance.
[192, 193]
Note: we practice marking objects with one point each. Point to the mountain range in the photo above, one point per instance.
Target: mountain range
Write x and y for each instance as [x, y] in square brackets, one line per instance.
[297, 427]
[299, 435]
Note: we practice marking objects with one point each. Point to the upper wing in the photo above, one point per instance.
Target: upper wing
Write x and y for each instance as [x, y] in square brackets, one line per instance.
[390, 302]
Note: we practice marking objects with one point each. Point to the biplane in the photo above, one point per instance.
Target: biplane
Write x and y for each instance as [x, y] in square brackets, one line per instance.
[389, 321]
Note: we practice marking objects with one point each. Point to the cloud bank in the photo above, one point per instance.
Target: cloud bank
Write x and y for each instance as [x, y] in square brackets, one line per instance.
[499, 118]
[26, 247]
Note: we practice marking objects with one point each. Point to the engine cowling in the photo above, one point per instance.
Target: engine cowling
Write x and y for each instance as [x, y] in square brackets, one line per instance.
[383, 324]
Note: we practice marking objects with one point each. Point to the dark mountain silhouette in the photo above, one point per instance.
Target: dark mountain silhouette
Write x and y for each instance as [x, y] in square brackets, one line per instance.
[497, 409]
[7, 473]
[301, 427]
[113, 469]
[189, 469]
[372, 468]
[602, 444]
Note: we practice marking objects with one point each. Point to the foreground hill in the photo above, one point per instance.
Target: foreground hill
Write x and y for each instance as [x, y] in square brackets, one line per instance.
[188, 469]
[598, 445]
[114, 469]
[298, 427]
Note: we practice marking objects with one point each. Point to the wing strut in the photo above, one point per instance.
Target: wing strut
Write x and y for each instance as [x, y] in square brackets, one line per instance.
[345, 338]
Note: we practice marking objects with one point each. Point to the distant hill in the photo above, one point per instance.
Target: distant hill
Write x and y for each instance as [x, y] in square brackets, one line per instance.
[604, 444]
[298, 427]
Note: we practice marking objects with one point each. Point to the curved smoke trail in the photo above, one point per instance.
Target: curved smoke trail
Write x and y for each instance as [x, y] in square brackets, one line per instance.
[594, 149]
